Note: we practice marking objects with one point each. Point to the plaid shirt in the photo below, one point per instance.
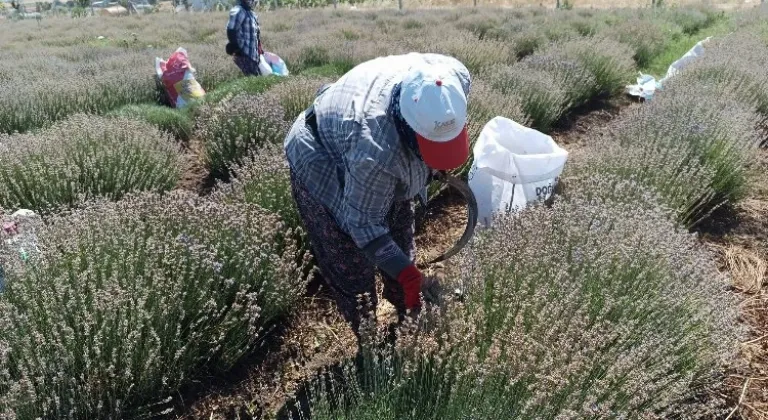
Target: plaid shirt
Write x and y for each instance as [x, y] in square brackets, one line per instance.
[246, 24]
[359, 167]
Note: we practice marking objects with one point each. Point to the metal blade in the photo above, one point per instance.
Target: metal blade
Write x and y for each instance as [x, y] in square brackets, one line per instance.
[469, 231]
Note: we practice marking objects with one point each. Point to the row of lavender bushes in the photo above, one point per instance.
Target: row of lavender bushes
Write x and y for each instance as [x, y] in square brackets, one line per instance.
[63, 67]
[603, 305]
[93, 327]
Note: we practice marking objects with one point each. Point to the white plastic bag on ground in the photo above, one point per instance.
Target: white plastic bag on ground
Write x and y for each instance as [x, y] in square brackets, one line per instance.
[682, 62]
[645, 88]
[264, 67]
[278, 65]
[647, 85]
[513, 165]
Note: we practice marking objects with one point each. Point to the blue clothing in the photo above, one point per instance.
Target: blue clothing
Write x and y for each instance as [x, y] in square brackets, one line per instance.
[244, 25]
[360, 166]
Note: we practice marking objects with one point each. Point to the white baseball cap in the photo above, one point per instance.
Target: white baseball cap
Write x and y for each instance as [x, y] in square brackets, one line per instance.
[433, 103]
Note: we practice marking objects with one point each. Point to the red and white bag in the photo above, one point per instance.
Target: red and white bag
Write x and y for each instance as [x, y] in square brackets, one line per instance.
[178, 78]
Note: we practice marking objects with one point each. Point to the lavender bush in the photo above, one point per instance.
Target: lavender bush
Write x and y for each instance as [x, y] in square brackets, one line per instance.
[575, 79]
[691, 20]
[83, 157]
[295, 95]
[721, 135]
[233, 128]
[609, 62]
[543, 97]
[263, 180]
[176, 122]
[582, 310]
[648, 38]
[733, 68]
[666, 177]
[132, 300]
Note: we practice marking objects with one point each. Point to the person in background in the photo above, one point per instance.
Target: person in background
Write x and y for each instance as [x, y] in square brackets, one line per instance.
[359, 156]
[244, 35]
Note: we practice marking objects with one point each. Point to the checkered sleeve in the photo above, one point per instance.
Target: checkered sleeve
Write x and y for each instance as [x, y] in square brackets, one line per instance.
[369, 189]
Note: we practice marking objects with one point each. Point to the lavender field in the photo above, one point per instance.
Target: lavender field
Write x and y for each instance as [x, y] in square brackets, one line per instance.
[172, 277]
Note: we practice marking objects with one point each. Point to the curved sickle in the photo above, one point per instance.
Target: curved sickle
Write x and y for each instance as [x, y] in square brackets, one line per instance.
[469, 231]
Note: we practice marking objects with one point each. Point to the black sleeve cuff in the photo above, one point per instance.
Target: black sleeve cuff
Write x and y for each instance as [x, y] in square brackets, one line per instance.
[385, 253]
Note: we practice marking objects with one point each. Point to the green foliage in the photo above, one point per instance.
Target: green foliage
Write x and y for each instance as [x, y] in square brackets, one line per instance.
[78, 12]
[667, 176]
[720, 133]
[609, 62]
[264, 180]
[648, 38]
[328, 70]
[295, 95]
[24, 107]
[176, 122]
[244, 85]
[84, 157]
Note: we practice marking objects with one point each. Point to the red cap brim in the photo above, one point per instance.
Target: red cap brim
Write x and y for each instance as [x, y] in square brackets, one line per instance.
[445, 156]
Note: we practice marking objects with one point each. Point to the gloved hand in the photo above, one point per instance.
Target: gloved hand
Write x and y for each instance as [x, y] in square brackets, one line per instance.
[410, 279]
[432, 289]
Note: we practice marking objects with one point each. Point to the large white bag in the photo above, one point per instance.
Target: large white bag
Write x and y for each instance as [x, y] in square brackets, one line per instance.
[513, 165]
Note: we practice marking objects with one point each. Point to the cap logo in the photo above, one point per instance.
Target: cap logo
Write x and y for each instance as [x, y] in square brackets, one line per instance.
[441, 126]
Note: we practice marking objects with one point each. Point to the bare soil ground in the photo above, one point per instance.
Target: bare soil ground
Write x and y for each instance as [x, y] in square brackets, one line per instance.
[195, 176]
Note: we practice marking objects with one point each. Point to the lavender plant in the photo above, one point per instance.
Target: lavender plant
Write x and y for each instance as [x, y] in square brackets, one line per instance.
[296, 94]
[176, 122]
[666, 177]
[132, 300]
[84, 157]
[733, 68]
[582, 310]
[263, 180]
[575, 79]
[609, 62]
[544, 99]
[720, 133]
[48, 85]
[234, 128]
[648, 38]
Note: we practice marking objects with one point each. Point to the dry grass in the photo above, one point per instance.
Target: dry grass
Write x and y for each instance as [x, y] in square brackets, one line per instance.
[587, 4]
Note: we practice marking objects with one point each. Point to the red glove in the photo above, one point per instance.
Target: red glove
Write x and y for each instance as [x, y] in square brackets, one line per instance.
[410, 280]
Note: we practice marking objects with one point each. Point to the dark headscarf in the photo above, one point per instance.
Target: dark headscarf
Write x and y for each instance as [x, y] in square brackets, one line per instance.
[247, 4]
[406, 133]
